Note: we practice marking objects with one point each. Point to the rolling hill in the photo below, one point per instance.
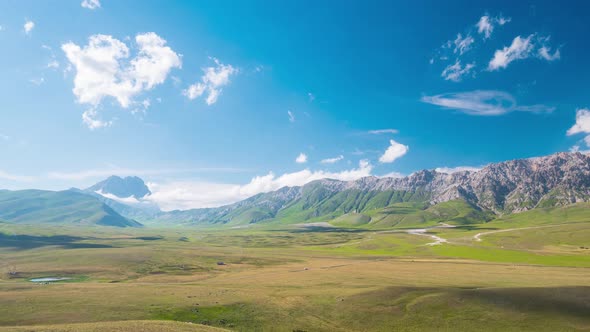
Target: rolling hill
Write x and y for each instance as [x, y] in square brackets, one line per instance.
[58, 207]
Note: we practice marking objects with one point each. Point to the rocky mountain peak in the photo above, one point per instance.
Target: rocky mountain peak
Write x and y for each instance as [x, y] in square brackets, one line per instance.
[130, 186]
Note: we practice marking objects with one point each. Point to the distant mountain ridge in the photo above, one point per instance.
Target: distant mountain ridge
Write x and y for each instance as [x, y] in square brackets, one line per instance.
[500, 188]
[130, 186]
[424, 198]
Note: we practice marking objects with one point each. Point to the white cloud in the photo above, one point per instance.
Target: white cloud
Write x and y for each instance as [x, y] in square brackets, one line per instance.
[393, 152]
[463, 45]
[301, 158]
[545, 52]
[291, 116]
[382, 131]
[131, 200]
[332, 160]
[212, 82]
[451, 170]
[486, 24]
[37, 81]
[90, 119]
[582, 124]
[90, 4]
[503, 20]
[311, 97]
[395, 175]
[483, 102]
[29, 26]
[575, 148]
[188, 195]
[455, 72]
[523, 48]
[16, 178]
[102, 70]
[53, 64]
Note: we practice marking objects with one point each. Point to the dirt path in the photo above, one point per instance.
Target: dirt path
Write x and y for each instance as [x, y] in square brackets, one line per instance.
[477, 237]
[437, 239]
[423, 232]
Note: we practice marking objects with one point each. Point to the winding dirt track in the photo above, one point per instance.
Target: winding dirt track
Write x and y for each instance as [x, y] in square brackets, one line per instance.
[477, 237]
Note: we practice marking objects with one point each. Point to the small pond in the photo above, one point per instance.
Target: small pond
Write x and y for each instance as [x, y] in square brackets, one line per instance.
[48, 279]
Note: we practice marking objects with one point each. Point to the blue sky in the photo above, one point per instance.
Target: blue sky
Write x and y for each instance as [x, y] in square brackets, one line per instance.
[213, 101]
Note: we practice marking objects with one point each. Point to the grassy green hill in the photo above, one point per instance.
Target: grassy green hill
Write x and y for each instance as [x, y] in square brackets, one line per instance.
[61, 207]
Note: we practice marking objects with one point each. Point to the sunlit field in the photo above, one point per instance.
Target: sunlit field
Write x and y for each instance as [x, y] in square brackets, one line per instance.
[297, 278]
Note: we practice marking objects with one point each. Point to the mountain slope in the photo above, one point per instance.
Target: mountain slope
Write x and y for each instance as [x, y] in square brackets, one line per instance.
[61, 207]
[514, 186]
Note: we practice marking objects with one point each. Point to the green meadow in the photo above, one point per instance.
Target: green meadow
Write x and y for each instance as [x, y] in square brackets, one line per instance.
[529, 271]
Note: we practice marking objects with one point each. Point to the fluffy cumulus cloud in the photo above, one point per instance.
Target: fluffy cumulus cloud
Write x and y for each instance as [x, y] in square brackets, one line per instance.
[523, 48]
[582, 126]
[90, 4]
[301, 158]
[332, 160]
[483, 102]
[455, 72]
[393, 152]
[451, 170]
[29, 26]
[486, 24]
[212, 82]
[187, 195]
[103, 68]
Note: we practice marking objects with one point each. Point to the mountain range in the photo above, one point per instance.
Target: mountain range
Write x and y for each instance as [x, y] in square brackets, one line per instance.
[465, 197]
[425, 197]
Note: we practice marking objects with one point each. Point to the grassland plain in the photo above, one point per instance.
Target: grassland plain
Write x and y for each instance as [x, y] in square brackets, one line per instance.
[522, 273]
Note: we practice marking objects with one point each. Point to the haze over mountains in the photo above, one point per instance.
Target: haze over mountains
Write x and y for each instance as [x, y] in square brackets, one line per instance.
[424, 197]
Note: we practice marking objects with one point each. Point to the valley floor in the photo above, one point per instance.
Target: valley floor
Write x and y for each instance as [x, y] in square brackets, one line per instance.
[495, 276]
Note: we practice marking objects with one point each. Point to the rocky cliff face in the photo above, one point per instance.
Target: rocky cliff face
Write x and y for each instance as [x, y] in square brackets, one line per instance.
[512, 186]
